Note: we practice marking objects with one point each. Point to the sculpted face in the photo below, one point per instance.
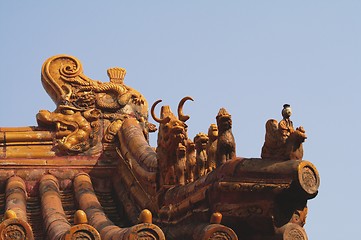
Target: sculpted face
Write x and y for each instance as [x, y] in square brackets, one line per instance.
[213, 131]
[177, 132]
[172, 131]
[287, 112]
[201, 140]
[224, 121]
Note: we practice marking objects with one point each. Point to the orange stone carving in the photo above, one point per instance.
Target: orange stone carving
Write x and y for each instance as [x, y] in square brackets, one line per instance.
[282, 141]
[87, 171]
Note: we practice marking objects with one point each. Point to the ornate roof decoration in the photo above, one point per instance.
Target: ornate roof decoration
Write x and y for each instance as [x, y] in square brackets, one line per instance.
[87, 170]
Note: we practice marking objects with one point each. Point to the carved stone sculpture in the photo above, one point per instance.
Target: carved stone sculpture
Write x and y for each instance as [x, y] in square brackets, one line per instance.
[180, 165]
[78, 96]
[282, 141]
[212, 147]
[88, 171]
[191, 164]
[172, 133]
[79, 138]
[201, 141]
[226, 146]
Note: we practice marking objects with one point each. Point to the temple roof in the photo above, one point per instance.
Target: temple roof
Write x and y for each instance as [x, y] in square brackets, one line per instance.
[87, 170]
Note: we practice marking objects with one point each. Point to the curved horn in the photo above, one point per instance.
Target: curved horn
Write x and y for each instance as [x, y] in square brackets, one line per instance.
[181, 116]
[158, 120]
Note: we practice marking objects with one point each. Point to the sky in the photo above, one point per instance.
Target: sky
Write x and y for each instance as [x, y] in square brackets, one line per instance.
[250, 57]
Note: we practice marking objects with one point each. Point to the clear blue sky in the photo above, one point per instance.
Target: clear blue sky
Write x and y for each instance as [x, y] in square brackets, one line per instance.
[250, 57]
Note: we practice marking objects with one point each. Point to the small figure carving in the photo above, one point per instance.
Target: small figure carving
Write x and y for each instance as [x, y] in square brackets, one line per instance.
[226, 146]
[282, 141]
[212, 147]
[201, 141]
[191, 166]
[285, 126]
[180, 165]
[172, 132]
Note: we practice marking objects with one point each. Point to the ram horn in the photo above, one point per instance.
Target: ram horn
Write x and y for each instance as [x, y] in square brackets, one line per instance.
[158, 120]
[181, 116]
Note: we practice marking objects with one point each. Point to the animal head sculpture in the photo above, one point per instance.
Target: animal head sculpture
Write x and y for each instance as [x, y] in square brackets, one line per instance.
[201, 141]
[226, 146]
[224, 120]
[172, 137]
[213, 132]
[172, 129]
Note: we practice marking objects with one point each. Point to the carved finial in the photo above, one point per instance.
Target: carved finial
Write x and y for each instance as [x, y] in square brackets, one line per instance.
[80, 217]
[216, 218]
[10, 214]
[145, 216]
[116, 74]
